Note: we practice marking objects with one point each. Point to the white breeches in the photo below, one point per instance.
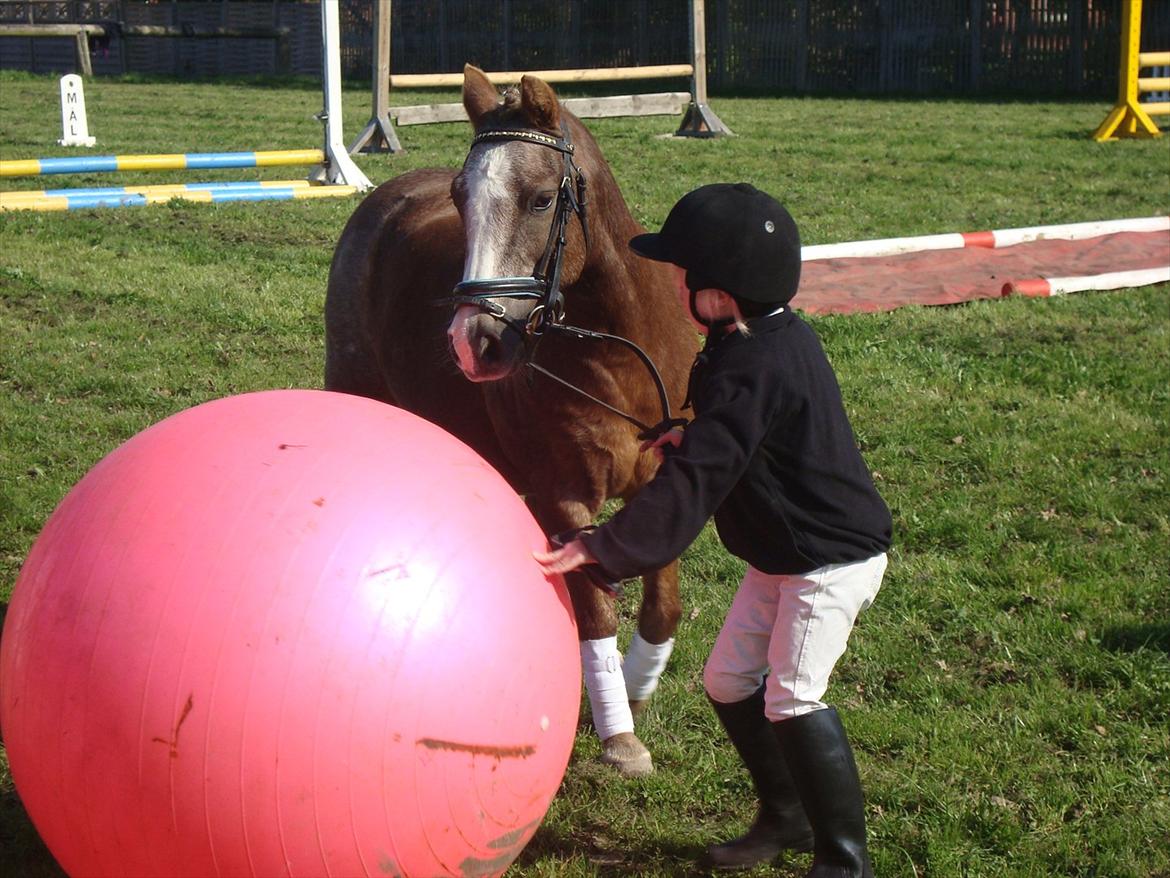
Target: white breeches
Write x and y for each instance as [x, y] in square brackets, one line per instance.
[789, 630]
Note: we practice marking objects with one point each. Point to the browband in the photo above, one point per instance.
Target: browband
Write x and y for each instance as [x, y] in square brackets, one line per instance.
[524, 134]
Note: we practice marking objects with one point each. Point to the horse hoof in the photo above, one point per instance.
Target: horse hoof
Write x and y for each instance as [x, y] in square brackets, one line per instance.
[637, 708]
[627, 754]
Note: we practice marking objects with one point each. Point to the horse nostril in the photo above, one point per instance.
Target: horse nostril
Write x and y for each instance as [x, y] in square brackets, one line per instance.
[489, 349]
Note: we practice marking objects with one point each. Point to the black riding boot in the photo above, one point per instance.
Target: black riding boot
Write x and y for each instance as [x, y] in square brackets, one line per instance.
[780, 822]
[822, 766]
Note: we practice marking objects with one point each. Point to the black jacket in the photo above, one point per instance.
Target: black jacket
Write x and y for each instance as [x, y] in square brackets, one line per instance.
[770, 454]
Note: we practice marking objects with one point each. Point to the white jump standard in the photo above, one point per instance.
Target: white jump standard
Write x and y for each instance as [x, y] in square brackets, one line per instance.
[335, 175]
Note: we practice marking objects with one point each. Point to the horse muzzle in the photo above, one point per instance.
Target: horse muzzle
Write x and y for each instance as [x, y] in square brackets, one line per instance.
[493, 322]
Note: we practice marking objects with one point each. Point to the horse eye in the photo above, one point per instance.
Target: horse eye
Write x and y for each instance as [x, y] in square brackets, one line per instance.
[543, 201]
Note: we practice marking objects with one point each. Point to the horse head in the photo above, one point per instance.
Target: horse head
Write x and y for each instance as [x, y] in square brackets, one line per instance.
[517, 194]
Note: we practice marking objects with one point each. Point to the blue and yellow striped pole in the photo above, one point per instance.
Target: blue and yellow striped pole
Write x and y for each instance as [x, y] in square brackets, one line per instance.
[131, 196]
[162, 162]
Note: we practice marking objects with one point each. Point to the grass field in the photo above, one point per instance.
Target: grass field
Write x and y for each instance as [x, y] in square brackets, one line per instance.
[1009, 692]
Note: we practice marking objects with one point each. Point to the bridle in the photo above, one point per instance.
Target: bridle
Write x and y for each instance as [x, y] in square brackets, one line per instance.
[544, 284]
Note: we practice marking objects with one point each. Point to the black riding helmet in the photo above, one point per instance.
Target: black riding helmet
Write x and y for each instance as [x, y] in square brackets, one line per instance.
[733, 237]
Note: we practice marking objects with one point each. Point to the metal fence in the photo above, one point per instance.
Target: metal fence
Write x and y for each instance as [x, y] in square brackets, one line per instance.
[1051, 47]
[915, 47]
[295, 46]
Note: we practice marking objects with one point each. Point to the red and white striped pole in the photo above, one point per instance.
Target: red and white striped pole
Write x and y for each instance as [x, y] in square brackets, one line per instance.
[1039, 287]
[988, 239]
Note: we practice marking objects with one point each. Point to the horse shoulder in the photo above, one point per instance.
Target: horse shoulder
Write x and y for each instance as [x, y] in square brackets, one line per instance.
[410, 245]
[394, 210]
[373, 254]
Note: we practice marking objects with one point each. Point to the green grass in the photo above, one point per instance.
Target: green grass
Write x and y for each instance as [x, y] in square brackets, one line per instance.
[1009, 692]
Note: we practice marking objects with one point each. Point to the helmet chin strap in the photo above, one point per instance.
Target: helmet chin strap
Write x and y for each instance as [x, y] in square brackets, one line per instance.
[711, 325]
[714, 335]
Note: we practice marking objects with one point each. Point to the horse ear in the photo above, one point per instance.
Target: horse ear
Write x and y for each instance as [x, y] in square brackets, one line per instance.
[540, 103]
[479, 95]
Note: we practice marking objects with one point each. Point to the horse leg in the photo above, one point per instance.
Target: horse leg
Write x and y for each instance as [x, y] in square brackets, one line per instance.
[601, 661]
[605, 683]
[653, 642]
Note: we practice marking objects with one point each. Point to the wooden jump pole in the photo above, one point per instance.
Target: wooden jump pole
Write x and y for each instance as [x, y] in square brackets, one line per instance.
[699, 121]
[660, 103]
[510, 77]
[1129, 117]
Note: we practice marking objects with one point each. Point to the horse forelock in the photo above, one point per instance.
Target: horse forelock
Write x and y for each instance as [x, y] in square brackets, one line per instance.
[512, 113]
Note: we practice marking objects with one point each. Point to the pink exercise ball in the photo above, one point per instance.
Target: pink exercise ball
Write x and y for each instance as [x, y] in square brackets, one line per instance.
[289, 633]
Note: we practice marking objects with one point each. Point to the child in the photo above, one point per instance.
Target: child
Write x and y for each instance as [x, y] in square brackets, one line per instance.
[771, 454]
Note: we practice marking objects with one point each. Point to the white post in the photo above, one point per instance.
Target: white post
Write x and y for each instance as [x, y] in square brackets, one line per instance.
[74, 125]
[339, 167]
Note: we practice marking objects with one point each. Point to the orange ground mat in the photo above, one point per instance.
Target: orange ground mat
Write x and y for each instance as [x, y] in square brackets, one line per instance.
[948, 277]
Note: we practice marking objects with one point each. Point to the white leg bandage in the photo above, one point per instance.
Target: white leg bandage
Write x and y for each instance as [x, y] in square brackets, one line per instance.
[644, 664]
[602, 664]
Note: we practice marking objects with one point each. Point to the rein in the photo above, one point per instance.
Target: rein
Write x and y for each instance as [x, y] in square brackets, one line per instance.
[646, 431]
[544, 284]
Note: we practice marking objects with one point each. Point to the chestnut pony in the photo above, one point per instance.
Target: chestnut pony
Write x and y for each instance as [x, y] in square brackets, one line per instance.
[449, 294]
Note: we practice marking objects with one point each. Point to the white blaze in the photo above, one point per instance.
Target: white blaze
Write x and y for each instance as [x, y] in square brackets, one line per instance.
[487, 195]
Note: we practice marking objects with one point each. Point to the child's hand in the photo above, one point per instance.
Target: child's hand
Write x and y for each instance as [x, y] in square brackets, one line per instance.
[568, 557]
[673, 438]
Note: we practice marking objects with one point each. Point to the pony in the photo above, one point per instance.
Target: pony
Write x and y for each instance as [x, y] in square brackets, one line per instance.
[501, 302]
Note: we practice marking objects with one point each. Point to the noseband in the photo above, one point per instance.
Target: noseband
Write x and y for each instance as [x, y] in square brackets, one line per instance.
[544, 284]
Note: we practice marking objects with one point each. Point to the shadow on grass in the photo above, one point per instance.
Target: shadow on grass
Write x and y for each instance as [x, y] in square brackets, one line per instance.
[1131, 638]
[619, 859]
[612, 858]
[25, 855]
